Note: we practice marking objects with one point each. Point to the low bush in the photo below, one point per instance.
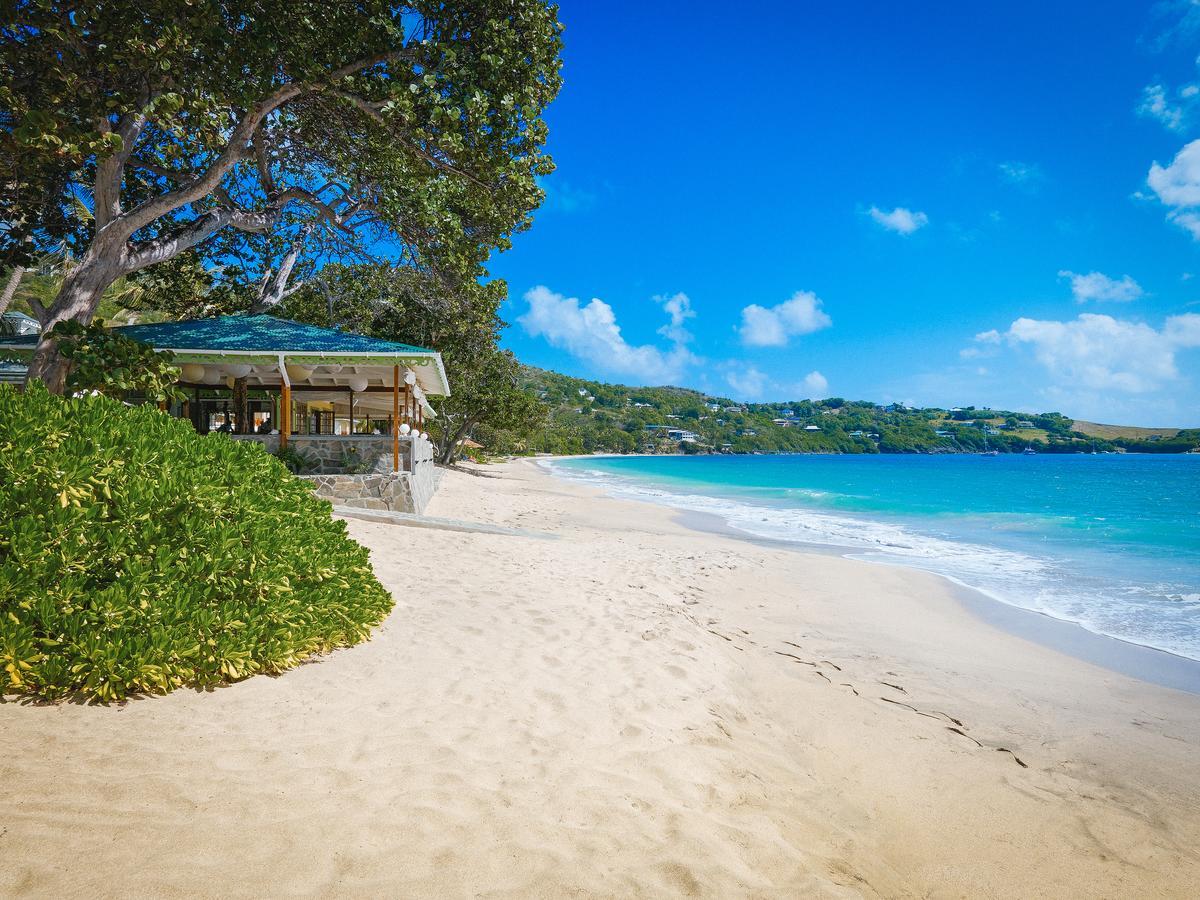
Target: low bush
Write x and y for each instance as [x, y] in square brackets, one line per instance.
[295, 461]
[137, 556]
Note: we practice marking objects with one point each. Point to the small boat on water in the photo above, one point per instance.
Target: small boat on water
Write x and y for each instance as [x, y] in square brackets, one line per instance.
[1029, 451]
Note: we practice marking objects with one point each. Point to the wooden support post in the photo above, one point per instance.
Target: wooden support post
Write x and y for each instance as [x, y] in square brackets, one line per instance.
[395, 418]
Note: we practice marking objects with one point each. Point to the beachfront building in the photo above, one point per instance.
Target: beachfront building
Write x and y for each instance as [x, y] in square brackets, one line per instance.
[15, 324]
[682, 435]
[348, 410]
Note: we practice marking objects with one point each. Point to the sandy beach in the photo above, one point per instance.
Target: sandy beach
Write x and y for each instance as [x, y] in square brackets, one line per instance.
[620, 706]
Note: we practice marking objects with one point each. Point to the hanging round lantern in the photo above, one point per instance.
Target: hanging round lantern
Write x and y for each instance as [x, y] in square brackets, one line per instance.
[191, 372]
[239, 370]
[333, 370]
[298, 373]
[358, 383]
[212, 375]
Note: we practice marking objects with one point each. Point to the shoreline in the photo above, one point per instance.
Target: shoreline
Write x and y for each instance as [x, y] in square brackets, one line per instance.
[1141, 661]
[1126, 656]
[635, 709]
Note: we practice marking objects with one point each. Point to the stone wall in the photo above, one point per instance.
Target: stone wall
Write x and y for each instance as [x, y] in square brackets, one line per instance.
[394, 491]
[378, 487]
[333, 454]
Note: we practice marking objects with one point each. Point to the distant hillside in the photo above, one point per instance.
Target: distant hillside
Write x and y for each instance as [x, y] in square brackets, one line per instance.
[590, 416]
[1130, 432]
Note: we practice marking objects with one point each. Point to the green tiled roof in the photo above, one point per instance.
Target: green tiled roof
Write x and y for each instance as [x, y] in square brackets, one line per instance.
[259, 333]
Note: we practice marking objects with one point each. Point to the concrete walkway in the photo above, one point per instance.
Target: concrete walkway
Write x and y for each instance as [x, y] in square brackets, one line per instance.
[413, 520]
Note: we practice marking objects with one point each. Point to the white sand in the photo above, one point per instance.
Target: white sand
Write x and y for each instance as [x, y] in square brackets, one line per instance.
[611, 714]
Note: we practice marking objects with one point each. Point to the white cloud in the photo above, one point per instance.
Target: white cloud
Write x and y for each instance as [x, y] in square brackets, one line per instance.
[1097, 286]
[1020, 173]
[1102, 353]
[1179, 183]
[679, 308]
[899, 220]
[815, 385]
[591, 333]
[1155, 105]
[990, 340]
[748, 383]
[764, 326]
[1178, 187]
[1188, 221]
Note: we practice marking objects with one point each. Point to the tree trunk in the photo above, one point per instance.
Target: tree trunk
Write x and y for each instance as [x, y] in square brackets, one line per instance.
[451, 438]
[240, 413]
[10, 288]
[77, 299]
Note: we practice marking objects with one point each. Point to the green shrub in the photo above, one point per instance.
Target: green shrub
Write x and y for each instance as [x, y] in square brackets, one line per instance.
[108, 362]
[137, 556]
[354, 462]
[296, 461]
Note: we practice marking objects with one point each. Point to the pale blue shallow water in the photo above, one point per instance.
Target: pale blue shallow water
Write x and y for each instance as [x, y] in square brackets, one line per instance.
[1110, 542]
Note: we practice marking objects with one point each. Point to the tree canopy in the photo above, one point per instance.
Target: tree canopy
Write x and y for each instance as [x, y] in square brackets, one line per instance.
[132, 131]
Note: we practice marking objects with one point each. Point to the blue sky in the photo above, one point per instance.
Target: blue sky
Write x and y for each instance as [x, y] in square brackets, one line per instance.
[937, 203]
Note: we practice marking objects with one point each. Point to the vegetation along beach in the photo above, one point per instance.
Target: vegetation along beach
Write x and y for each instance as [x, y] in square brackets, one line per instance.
[499, 448]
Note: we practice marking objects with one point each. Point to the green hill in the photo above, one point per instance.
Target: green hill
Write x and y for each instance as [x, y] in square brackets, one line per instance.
[1131, 432]
[591, 416]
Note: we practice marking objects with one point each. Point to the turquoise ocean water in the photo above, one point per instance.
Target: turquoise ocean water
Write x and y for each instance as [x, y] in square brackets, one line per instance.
[1110, 542]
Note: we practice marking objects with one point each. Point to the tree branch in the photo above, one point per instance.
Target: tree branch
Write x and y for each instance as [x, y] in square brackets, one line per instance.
[110, 170]
[326, 211]
[273, 289]
[196, 231]
[264, 165]
[371, 111]
[237, 148]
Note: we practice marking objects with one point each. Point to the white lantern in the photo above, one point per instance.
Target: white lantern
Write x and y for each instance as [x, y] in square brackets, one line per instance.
[298, 373]
[239, 371]
[192, 372]
[212, 375]
[410, 377]
[405, 428]
[333, 370]
[358, 383]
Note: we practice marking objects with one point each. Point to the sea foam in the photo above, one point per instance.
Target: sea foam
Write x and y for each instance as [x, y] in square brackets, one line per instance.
[1127, 610]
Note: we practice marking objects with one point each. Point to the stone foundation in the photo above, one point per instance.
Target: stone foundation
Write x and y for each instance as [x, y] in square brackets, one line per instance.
[332, 454]
[372, 483]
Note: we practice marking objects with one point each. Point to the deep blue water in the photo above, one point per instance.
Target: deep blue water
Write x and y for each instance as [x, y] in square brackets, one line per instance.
[1111, 542]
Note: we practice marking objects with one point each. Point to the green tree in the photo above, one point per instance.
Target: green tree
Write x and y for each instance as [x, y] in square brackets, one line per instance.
[418, 122]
